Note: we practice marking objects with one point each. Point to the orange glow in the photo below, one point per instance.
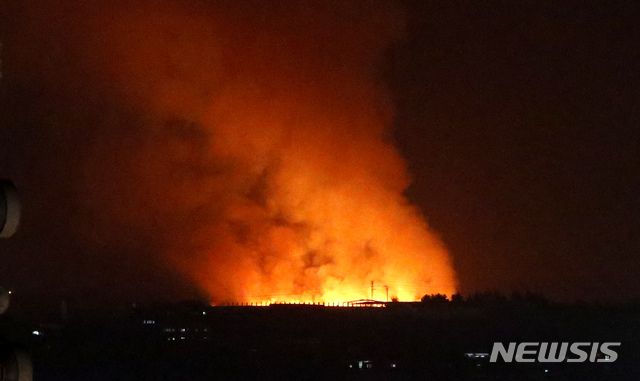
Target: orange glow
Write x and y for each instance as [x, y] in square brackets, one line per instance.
[285, 186]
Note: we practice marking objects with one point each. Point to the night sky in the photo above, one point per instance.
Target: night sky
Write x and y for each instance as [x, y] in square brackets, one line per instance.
[518, 122]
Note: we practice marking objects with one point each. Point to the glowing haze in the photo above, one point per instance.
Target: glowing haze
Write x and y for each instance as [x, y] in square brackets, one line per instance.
[266, 164]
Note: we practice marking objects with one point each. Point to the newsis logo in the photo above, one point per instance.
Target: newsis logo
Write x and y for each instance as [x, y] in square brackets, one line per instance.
[554, 352]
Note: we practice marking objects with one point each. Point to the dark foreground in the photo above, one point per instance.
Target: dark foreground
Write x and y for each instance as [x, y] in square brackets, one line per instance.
[404, 341]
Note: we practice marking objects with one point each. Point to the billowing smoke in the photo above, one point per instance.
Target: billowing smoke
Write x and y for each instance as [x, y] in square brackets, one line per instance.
[248, 144]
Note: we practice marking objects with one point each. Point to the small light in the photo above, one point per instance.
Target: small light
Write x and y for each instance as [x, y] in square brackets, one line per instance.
[36, 333]
[546, 370]
[204, 312]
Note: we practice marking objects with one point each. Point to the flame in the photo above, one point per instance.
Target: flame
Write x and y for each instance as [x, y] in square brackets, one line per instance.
[283, 183]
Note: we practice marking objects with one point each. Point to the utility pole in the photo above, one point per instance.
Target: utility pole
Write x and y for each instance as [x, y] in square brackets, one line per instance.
[372, 289]
[387, 289]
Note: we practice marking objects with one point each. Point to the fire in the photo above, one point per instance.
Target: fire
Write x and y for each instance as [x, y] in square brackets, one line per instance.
[284, 184]
[324, 221]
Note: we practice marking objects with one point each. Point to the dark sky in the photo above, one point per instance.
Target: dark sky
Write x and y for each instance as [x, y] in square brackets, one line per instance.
[519, 122]
[520, 125]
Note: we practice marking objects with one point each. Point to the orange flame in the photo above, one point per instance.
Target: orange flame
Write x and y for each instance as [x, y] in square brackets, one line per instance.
[283, 178]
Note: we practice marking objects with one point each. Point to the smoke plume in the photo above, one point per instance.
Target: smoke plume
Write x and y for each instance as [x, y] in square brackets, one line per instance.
[247, 144]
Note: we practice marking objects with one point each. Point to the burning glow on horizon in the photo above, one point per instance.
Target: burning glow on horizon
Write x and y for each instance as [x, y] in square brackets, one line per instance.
[272, 129]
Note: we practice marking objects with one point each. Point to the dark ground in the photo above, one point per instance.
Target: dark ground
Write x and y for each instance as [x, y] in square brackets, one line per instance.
[405, 341]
